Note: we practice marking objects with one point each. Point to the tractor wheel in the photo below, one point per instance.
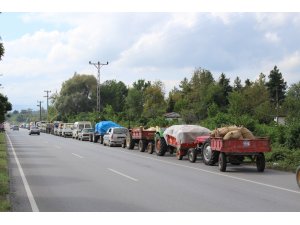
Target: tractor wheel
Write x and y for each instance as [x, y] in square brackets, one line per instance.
[142, 145]
[129, 142]
[260, 162]
[150, 147]
[298, 176]
[209, 156]
[160, 145]
[192, 155]
[222, 162]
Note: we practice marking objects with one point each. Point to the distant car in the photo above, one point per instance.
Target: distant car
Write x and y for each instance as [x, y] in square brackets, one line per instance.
[34, 130]
[84, 134]
[15, 127]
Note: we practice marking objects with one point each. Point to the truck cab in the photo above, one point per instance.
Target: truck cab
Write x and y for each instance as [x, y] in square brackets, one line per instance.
[115, 136]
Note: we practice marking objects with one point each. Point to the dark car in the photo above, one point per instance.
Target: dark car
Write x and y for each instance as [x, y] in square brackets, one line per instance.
[34, 130]
[15, 127]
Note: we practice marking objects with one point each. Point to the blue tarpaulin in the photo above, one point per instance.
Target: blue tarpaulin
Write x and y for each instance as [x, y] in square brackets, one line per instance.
[103, 126]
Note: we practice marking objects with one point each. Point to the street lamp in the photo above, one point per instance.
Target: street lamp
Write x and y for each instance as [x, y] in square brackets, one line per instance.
[98, 65]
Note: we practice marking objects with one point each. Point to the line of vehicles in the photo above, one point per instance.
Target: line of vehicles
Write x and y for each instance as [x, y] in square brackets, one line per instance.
[193, 141]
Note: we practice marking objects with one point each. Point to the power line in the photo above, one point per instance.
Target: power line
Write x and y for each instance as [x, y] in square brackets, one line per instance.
[47, 96]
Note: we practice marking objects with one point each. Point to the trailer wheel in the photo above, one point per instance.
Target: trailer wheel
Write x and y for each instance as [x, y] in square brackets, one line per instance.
[222, 162]
[178, 156]
[298, 176]
[260, 162]
[142, 145]
[160, 145]
[209, 157]
[123, 144]
[192, 155]
[129, 142]
[150, 147]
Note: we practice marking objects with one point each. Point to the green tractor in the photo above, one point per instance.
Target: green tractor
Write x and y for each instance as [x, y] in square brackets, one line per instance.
[161, 146]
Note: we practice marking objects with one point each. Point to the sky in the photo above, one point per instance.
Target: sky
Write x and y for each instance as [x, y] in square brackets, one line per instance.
[42, 50]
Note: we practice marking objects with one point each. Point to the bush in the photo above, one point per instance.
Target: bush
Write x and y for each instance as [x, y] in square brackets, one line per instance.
[293, 134]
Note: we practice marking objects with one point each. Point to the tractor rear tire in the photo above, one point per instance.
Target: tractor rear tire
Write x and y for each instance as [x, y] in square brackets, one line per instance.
[160, 145]
[298, 176]
[129, 142]
[209, 156]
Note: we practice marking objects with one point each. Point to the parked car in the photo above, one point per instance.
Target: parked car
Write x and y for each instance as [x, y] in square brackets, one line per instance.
[15, 127]
[67, 130]
[115, 136]
[84, 134]
[34, 130]
[78, 126]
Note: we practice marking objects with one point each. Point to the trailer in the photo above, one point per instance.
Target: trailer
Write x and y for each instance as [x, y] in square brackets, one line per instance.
[142, 137]
[180, 138]
[234, 151]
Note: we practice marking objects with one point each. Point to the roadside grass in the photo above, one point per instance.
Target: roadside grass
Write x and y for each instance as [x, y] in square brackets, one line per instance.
[283, 158]
[4, 178]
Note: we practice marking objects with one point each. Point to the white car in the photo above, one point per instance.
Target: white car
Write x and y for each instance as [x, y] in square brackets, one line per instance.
[34, 130]
[115, 136]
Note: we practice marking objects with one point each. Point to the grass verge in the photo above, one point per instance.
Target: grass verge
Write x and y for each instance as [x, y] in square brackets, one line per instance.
[4, 178]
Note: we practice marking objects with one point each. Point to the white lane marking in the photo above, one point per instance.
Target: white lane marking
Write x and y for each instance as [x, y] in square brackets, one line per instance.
[79, 156]
[122, 174]
[217, 173]
[32, 202]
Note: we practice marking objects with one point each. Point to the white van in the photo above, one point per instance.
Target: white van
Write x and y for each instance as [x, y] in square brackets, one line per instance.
[78, 126]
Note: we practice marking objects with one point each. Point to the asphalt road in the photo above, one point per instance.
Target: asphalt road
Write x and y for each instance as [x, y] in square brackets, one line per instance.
[50, 173]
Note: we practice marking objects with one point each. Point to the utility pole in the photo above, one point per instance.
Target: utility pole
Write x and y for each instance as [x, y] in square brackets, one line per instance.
[98, 65]
[40, 105]
[47, 96]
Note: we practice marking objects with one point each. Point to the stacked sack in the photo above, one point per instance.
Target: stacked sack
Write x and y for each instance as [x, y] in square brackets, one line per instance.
[233, 132]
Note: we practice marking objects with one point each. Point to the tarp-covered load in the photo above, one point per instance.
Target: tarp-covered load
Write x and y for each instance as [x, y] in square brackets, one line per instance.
[186, 133]
[103, 126]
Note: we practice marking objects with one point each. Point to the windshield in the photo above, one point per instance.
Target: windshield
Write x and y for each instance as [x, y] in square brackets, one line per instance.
[120, 130]
[87, 130]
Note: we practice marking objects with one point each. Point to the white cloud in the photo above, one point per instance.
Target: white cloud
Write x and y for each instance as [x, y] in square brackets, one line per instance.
[272, 37]
[149, 46]
[291, 62]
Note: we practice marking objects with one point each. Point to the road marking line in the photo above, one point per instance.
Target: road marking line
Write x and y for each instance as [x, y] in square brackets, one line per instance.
[218, 174]
[79, 156]
[32, 202]
[122, 174]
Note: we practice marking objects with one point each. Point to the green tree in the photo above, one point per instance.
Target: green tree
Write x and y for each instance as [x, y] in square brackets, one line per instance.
[154, 102]
[292, 101]
[134, 104]
[5, 106]
[276, 86]
[113, 93]
[237, 84]
[78, 94]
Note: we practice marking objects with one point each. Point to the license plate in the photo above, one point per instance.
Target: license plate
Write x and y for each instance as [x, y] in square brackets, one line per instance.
[246, 144]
